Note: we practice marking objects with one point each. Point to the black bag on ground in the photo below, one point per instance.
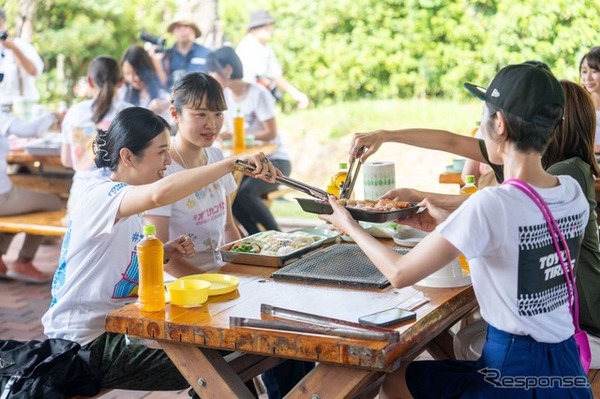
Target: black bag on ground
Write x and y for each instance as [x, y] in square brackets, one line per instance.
[54, 368]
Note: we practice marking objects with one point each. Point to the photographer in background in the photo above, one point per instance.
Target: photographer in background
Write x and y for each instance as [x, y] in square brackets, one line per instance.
[259, 60]
[185, 56]
[20, 64]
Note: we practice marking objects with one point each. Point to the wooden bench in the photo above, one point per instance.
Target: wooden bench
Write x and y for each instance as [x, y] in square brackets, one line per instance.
[38, 223]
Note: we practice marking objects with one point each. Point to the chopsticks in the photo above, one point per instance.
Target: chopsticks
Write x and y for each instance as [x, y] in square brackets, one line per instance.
[286, 181]
[351, 176]
[315, 324]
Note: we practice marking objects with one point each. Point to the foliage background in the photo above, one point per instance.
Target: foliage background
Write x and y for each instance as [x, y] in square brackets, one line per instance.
[343, 49]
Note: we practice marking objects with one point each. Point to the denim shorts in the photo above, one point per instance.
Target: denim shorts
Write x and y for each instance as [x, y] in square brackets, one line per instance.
[511, 366]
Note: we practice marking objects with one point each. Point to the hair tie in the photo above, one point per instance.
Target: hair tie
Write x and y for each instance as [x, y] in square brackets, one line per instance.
[100, 143]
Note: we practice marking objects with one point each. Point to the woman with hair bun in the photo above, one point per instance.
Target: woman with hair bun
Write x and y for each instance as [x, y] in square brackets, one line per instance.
[98, 266]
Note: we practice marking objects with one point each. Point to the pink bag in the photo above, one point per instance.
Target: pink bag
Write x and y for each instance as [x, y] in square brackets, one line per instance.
[581, 338]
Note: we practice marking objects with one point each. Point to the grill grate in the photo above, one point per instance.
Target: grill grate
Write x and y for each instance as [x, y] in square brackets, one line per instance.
[341, 264]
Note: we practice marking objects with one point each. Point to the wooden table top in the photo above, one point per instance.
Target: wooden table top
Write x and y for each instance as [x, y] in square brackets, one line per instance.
[208, 325]
[21, 156]
[451, 178]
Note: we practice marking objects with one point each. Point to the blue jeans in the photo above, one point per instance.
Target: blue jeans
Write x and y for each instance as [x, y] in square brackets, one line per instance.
[511, 366]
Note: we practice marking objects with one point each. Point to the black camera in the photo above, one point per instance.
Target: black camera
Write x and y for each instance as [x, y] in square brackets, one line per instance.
[159, 42]
[3, 35]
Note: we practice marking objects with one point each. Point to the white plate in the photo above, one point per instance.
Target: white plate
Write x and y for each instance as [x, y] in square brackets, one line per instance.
[437, 282]
[409, 237]
[330, 234]
[380, 230]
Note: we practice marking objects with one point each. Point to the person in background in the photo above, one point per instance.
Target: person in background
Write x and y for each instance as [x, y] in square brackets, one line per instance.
[204, 215]
[257, 106]
[589, 72]
[523, 106]
[185, 56]
[84, 118]
[259, 60]
[20, 65]
[14, 200]
[98, 269]
[142, 86]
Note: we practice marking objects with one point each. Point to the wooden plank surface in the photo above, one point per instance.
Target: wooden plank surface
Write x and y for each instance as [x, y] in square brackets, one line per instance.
[208, 325]
[40, 223]
[451, 178]
[54, 185]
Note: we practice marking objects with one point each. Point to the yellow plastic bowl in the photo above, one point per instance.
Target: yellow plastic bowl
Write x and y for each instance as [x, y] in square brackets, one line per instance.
[188, 293]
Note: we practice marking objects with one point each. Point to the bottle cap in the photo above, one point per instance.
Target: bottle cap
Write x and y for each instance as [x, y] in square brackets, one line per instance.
[470, 179]
[149, 230]
[343, 165]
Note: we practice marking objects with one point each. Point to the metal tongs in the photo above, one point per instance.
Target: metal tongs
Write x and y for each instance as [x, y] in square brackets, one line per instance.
[314, 324]
[286, 181]
[351, 176]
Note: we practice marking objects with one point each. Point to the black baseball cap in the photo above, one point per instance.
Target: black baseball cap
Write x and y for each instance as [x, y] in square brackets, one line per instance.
[522, 90]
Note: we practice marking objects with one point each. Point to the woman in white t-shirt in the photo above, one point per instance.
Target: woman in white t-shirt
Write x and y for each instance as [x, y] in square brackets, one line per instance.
[204, 215]
[504, 236]
[253, 102]
[98, 269]
[83, 118]
[589, 72]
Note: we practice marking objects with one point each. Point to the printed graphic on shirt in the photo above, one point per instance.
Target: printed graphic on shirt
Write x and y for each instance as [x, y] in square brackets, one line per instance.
[127, 287]
[541, 286]
[60, 275]
[81, 148]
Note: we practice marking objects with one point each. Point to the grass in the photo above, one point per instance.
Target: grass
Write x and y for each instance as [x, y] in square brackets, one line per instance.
[318, 139]
[343, 119]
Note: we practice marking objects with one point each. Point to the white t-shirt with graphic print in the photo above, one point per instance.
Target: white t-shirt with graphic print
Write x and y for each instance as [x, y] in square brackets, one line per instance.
[79, 131]
[516, 277]
[202, 215]
[98, 267]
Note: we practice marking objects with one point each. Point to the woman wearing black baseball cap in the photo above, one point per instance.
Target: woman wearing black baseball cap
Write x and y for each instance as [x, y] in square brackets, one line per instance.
[516, 276]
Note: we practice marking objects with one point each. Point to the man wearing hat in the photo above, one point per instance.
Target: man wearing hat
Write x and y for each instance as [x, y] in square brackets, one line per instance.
[186, 55]
[20, 64]
[259, 60]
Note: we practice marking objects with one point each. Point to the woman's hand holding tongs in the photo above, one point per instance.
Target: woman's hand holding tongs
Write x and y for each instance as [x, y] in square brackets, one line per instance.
[370, 141]
[262, 168]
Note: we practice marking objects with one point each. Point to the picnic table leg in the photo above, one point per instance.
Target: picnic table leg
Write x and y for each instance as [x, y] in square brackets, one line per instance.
[207, 372]
[323, 381]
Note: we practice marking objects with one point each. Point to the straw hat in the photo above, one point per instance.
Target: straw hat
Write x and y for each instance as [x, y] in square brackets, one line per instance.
[184, 20]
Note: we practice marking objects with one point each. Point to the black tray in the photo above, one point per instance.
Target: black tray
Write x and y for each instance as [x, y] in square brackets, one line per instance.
[316, 206]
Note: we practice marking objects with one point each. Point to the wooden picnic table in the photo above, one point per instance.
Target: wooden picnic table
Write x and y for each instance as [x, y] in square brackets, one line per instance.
[451, 178]
[192, 336]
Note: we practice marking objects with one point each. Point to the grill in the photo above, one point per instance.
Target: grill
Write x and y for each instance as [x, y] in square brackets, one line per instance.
[341, 264]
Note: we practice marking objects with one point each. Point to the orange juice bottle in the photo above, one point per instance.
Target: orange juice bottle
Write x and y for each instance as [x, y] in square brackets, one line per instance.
[151, 291]
[239, 135]
[468, 189]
